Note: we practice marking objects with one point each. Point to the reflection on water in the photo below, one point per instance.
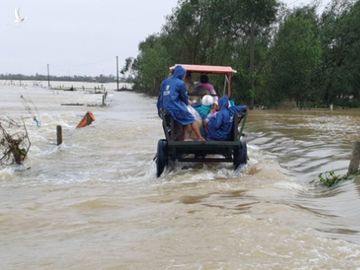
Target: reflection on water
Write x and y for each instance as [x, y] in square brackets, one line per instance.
[95, 203]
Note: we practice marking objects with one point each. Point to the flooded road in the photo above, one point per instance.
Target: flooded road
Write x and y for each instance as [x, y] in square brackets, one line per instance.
[95, 203]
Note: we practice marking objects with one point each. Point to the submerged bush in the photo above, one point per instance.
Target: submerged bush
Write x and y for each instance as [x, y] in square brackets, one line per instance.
[330, 178]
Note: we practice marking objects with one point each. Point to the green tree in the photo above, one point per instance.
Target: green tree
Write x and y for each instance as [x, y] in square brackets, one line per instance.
[194, 32]
[223, 32]
[152, 64]
[250, 22]
[295, 57]
[340, 40]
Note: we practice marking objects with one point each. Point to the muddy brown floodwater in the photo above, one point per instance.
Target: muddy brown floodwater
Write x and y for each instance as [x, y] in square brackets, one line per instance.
[95, 203]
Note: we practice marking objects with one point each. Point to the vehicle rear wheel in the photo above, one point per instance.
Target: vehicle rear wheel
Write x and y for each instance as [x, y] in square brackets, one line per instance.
[240, 155]
[161, 157]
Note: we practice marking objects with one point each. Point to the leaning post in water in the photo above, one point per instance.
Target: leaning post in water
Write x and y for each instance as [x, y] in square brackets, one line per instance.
[117, 73]
[48, 75]
[355, 159]
[59, 138]
[103, 100]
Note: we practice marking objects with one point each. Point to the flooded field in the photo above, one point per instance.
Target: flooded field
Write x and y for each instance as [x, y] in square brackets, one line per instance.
[95, 203]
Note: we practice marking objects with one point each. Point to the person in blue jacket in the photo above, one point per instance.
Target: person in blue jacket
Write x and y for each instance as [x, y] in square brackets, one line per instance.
[173, 99]
[220, 125]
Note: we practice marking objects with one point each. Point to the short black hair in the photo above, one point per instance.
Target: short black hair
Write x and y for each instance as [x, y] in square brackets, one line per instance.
[204, 78]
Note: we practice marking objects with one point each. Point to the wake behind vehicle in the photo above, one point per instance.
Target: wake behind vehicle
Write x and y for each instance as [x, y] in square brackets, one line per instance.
[172, 149]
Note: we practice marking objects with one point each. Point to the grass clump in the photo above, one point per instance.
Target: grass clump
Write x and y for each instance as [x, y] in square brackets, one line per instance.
[330, 178]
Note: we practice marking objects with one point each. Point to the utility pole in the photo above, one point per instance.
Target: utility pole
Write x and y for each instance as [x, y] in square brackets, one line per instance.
[48, 75]
[117, 73]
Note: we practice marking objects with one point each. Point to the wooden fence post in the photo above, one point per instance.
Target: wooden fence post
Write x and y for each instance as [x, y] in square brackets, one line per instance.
[355, 159]
[59, 138]
[104, 99]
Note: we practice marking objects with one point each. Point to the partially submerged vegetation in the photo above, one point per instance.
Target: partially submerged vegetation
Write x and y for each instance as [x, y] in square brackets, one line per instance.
[330, 178]
[280, 55]
[14, 142]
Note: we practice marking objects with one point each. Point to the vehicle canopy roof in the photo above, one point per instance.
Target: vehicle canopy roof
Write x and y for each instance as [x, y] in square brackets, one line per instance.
[206, 69]
[227, 71]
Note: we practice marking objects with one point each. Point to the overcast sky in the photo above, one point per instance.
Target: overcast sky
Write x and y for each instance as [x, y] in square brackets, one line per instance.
[79, 37]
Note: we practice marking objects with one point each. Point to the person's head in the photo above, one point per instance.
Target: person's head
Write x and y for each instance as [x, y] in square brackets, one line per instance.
[224, 102]
[188, 75]
[204, 78]
[207, 100]
[179, 72]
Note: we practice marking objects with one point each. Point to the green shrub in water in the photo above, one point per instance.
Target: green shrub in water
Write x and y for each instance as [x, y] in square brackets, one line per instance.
[330, 178]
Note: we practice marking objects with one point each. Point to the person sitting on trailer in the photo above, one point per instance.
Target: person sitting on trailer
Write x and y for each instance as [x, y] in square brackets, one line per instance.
[173, 99]
[219, 125]
[204, 87]
[205, 107]
[188, 82]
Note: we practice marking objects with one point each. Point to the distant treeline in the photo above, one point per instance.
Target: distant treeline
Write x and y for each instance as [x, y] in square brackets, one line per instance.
[281, 55]
[38, 77]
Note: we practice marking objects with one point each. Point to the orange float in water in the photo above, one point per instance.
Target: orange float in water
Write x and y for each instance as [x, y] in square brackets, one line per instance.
[86, 120]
